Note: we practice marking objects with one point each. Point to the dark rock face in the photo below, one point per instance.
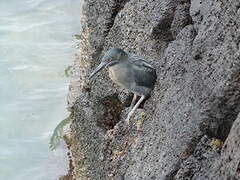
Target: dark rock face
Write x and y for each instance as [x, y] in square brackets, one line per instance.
[194, 46]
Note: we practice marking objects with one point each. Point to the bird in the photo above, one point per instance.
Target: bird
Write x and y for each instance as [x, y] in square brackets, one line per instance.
[130, 71]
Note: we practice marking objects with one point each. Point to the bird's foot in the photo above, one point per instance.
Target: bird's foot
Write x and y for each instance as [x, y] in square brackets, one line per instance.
[139, 117]
[127, 120]
[128, 116]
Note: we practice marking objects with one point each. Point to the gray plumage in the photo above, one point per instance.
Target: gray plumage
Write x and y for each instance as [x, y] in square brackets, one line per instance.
[143, 73]
[130, 71]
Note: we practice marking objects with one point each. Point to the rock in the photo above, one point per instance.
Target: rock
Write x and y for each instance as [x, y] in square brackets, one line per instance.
[194, 46]
[200, 161]
[228, 165]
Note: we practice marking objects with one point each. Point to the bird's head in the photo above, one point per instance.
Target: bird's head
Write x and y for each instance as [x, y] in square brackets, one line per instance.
[111, 57]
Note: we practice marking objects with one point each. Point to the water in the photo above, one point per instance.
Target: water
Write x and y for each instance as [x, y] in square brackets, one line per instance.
[36, 45]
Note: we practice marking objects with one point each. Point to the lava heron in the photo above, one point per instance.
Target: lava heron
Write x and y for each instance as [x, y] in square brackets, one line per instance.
[131, 72]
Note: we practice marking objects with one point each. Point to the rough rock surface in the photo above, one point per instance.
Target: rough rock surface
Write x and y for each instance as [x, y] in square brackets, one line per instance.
[194, 46]
[228, 166]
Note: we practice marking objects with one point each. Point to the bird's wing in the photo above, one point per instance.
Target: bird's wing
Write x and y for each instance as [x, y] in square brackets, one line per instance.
[144, 73]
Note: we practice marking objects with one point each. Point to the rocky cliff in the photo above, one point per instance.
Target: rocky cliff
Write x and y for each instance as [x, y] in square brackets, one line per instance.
[189, 128]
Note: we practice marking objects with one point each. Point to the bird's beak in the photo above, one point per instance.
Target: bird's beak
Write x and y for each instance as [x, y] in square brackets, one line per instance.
[99, 68]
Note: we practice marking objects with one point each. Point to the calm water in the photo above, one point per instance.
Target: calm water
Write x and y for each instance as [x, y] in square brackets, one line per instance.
[36, 45]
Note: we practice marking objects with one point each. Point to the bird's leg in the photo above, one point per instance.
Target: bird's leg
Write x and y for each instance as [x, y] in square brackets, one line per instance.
[121, 91]
[134, 109]
[133, 102]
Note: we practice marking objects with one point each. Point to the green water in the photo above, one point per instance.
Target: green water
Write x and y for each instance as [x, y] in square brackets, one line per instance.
[36, 46]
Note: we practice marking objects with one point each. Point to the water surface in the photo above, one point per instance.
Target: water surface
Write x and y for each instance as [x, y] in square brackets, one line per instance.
[36, 45]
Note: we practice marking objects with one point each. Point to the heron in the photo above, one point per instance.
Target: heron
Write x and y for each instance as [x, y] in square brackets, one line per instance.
[131, 72]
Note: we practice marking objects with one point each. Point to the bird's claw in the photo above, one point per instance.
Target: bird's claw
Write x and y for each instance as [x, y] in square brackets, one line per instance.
[127, 120]
[128, 116]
